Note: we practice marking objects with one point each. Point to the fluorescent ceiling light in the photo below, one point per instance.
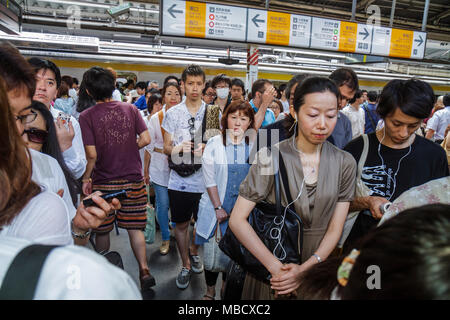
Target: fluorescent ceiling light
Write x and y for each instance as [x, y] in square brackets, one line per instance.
[96, 5]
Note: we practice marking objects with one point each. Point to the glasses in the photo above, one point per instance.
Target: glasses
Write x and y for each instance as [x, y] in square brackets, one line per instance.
[27, 118]
[210, 95]
[191, 123]
[36, 135]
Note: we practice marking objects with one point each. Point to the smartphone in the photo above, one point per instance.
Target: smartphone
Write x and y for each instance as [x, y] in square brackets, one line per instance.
[65, 118]
[119, 195]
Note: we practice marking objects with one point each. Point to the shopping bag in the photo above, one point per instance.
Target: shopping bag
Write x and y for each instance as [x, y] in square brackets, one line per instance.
[150, 227]
[214, 259]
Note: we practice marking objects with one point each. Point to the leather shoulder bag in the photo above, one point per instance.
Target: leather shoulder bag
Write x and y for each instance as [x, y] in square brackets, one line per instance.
[278, 227]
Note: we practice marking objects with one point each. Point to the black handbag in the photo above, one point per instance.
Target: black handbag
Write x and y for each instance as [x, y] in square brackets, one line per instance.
[279, 228]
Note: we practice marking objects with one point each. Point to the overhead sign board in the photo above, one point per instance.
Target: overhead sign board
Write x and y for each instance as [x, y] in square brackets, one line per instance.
[232, 23]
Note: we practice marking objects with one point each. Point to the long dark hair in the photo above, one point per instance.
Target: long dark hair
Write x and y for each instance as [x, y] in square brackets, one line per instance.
[51, 148]
[16, 186]
[413, 265]
[85, 101]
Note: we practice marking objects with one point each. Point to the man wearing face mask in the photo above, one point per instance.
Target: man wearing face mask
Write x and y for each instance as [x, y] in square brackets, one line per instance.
[221, 84]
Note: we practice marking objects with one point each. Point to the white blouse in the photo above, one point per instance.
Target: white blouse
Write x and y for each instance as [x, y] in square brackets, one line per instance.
[159, 165]
[45, 220]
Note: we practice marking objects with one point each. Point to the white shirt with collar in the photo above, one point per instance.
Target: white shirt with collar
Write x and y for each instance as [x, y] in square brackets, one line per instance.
[73, 273]
[75, 156]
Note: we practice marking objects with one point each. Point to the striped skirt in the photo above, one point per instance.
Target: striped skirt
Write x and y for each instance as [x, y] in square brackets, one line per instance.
[133, 213]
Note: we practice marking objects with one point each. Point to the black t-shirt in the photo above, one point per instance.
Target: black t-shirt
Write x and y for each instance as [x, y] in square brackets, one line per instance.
[426, 161]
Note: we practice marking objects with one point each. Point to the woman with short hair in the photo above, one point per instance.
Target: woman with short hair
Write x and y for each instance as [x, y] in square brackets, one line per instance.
[225, 164]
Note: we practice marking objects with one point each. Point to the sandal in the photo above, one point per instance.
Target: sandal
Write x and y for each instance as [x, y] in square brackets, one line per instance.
[208, 297]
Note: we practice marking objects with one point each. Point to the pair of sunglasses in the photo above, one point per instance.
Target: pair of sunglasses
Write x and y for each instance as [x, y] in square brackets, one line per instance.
[36, 135]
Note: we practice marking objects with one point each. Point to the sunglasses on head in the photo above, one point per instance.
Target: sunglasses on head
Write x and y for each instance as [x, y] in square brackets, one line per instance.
[36, 135]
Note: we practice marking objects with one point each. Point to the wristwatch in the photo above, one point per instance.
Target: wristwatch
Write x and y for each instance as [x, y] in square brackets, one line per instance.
[218, 208]
[80, 235]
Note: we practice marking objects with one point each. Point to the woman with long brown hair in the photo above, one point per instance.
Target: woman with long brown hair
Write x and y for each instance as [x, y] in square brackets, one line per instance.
[16, 187]
[26, 210]
[225, 164]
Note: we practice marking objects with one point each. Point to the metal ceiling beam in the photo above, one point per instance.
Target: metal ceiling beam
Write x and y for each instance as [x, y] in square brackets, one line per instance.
[440, 16]
[364, 4]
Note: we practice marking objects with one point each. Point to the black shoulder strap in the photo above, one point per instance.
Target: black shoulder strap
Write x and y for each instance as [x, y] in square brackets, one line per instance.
[23, 274]
[284, 178]
[370, 117]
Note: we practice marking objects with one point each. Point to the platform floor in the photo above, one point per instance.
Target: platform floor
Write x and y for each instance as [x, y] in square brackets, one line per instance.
[164, 268]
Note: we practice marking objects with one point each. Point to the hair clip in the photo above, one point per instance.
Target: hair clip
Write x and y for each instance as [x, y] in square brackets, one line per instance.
[346, 267]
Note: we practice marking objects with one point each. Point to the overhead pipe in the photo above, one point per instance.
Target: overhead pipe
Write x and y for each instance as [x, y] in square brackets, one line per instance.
[425, 15]
[391, 20]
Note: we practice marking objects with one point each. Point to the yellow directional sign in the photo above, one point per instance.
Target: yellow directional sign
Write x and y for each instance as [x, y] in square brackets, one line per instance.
[195, 17]
[347, 36]
[278, 28]
[401, 43]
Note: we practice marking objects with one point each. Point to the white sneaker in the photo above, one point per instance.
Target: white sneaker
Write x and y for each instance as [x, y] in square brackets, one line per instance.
[183, 278]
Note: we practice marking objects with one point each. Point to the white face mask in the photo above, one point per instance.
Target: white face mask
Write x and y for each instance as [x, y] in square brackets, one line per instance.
[222, 93]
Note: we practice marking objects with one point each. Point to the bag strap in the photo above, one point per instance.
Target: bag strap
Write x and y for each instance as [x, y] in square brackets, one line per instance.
[370, 117]
[276, 178]
[161, 117]
[22, 277]
[284, 178]
[362, 159]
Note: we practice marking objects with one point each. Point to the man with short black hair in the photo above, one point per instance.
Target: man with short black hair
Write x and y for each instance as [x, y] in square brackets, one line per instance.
[263, 93]
[397, 158]
[355, 114]
[346, 81]
[141, 103]
[371, 115]
[237, 89]
[114, 164]
[48, 80]
[181, 124]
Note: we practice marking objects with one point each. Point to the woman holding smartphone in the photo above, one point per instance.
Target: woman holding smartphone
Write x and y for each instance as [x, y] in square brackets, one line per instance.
[321, 178]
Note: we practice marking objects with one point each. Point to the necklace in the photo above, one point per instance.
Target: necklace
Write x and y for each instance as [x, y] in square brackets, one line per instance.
[313, 169]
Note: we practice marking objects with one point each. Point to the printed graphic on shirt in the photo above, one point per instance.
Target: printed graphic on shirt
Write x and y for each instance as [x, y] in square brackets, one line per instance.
[380, 180]
[115, 127]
